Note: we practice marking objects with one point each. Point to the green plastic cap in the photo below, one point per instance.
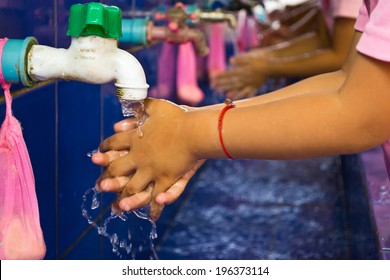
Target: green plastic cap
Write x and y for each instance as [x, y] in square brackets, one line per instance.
[95, 19]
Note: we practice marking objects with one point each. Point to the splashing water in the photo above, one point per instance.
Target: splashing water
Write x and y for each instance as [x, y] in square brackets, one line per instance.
[135, 108]
[123, 245]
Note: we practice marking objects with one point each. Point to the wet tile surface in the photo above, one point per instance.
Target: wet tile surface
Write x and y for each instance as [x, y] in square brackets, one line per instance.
[386, 255]
[382, 219]
[262, 210]
[378, 187]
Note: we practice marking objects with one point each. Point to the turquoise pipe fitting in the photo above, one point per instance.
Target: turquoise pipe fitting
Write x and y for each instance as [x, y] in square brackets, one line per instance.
[135, 31]
[14, 60]
[191, 8]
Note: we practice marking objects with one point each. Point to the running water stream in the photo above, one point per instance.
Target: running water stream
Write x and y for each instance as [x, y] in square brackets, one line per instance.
[122, 244]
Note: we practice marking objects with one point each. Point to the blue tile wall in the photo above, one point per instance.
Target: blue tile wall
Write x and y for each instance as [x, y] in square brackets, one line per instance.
[79, 132]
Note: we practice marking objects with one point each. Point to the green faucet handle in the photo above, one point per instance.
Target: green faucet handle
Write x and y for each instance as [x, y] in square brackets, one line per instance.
[95, 19]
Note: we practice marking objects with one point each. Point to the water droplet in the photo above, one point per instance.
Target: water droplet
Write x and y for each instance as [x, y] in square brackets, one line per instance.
[90, 154]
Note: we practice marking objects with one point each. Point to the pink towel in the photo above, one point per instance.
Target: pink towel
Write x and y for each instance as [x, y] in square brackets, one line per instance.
[187, 84]
[217, 55]
[165, 87]
[20, 231]
[253, 34]
[247, 32]
[242, 27]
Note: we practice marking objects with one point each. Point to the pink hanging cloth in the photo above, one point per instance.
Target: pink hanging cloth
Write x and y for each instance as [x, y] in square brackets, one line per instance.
[188, 90]
[165, 87]
[253, 34]
[216, 62]
[247, 32]
[242, 29]
[21, 235]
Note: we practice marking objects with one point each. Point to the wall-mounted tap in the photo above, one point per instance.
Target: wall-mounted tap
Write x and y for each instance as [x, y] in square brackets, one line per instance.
[144, 31]
[177, 30]
[93, 55]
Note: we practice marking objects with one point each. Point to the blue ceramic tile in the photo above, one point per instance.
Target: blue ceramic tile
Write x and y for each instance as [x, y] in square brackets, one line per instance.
[111, 110]
[79, 121]
[87, 248]
[15, 14]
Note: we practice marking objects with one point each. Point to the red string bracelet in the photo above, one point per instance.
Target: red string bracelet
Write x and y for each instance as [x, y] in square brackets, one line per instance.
[228, 105]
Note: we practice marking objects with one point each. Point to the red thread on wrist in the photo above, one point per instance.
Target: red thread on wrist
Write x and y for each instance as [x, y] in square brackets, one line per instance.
[229, 105]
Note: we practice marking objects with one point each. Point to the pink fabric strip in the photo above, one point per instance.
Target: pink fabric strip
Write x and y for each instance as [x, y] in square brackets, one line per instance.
[6, 86]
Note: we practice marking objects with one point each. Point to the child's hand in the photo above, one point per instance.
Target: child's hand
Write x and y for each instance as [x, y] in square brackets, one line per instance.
[142, 169]
[245, 76]
[239, 82]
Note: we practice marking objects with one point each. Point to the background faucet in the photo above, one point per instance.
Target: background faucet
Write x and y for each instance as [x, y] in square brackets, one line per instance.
[144, 31]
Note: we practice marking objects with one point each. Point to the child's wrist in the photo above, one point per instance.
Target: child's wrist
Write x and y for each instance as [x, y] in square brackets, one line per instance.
[203, 137]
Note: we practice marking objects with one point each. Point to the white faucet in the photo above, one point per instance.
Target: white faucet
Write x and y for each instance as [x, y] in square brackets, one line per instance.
[90, 59]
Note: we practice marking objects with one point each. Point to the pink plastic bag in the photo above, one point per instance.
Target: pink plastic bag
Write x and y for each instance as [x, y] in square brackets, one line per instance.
[21, 235]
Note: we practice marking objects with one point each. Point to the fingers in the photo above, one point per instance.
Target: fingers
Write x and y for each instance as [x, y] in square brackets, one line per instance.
[117, 142]
[127, 185]
[138, 183]
[173, 193]
[104, 159]
[114, 184]
[241, 60]
[125, 125]
[155, 208]
[121, 167]
[138, 200]
[228, 81]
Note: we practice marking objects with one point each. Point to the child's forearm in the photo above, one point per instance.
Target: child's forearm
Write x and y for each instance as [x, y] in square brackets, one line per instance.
[325, 82]
[308, 63]
[329, 81]
[318, 123]
[302, 44]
